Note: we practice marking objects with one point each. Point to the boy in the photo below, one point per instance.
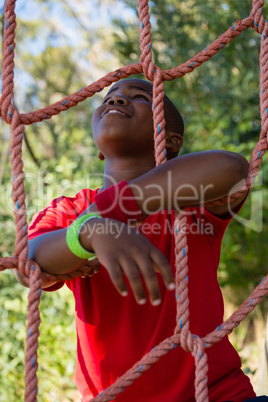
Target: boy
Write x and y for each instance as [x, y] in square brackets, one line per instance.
[116, 324]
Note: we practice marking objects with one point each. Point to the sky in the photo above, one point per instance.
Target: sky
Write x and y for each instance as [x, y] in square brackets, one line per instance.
[91, 13]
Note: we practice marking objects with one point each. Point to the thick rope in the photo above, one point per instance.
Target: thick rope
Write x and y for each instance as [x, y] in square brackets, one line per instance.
[132, 69]
[32, 272]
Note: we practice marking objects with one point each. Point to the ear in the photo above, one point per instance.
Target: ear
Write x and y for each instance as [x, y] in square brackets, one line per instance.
[174, 141]
[101, 156]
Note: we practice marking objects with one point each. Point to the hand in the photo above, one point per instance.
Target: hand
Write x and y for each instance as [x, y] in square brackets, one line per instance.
[123, 250]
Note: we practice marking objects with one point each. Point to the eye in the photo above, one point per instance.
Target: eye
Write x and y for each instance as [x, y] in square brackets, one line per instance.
[105, 100]
[141, 96]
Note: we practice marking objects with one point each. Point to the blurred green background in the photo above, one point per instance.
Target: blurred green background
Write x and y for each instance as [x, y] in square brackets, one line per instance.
[63, 46]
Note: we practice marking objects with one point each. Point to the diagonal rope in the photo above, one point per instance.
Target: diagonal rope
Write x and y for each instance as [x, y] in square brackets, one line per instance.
[32, 272]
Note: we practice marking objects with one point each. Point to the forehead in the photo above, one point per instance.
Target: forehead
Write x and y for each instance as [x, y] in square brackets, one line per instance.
[173, 118]
[132, 84]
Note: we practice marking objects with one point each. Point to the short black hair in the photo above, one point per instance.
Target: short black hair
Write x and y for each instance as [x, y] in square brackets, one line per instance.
[174, 122]
[177, 123]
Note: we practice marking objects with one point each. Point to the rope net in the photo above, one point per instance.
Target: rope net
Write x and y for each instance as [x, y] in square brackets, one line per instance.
[30, 269]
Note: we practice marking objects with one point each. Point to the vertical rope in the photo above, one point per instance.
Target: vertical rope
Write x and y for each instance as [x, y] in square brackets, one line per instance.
[181, 262]
[190, 343]
[8, 61]
[146, 40]
[11, 115]
[32, 334]
[153, 74]
[18, 193]
[159, 118]
[200, 356]
[260, 26]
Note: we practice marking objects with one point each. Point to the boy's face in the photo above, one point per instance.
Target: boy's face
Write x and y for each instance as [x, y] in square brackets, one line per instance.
[123, 123]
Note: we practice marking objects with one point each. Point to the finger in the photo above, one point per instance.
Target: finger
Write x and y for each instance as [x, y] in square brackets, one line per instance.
[96, 269]
[146, 267]
[131, 270]
[116, 276]
[163, 267]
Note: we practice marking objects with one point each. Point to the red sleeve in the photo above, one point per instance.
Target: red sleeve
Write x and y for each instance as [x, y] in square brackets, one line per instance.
[60, 213]
[54, 287]
[219, 224]
[115, 202]
[118, 202]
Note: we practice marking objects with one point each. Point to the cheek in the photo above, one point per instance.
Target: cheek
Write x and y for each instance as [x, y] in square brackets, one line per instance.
[146, 119]
[95, 123]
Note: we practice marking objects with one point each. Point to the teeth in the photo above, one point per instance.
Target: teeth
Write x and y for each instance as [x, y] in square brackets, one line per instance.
[116, 111]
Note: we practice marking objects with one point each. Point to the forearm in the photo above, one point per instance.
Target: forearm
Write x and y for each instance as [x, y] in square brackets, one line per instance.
[50, 250]
[20, 278]
[189, 180]
[52, 253]
[185, 181]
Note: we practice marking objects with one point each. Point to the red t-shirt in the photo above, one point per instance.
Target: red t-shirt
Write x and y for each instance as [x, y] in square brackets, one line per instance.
[114, 332]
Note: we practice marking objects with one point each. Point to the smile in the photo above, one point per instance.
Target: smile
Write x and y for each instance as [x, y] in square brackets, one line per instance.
[115, 111]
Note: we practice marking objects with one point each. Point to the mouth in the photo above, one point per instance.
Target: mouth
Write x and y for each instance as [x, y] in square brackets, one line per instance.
[114, 111]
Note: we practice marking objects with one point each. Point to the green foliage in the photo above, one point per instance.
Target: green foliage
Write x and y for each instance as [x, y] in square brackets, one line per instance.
[12, 335]
[243, 263]
[57, 343]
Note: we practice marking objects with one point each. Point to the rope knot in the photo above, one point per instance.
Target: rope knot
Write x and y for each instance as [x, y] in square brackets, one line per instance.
[148, 68]
[7, 108]
[187, 339]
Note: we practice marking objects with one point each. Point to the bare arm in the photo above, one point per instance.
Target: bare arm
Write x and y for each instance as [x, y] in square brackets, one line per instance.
[188, 180]
[122, 250]
[58, 255]
[191, 180]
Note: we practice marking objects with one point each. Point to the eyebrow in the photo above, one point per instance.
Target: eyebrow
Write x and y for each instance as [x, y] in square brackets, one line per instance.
[132, 87]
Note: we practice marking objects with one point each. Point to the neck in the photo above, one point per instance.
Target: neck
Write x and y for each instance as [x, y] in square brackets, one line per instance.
[117, 170]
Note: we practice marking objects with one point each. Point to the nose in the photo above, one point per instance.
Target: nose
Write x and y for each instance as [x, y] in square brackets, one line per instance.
[118, 100]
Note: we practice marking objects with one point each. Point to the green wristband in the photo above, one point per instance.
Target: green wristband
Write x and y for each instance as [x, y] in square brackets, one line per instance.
[72, 237]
